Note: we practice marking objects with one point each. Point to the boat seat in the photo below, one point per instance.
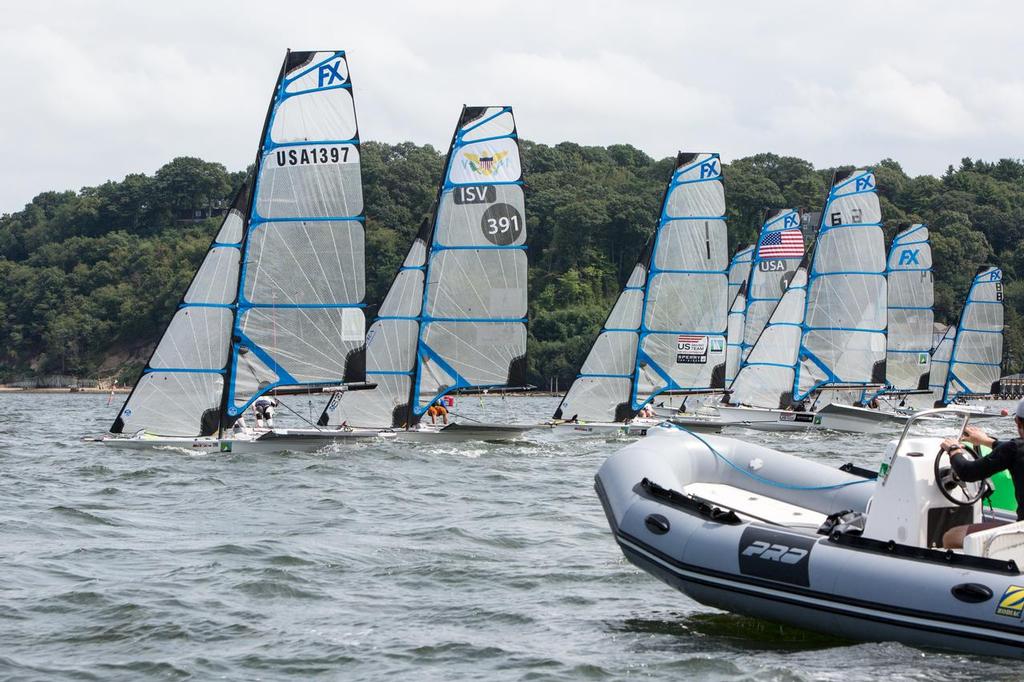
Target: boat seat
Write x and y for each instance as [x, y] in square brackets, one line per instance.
[1002, 542]
[756, 507]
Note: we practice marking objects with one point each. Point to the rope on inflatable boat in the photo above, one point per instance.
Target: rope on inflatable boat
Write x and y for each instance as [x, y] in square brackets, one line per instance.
[762, 479]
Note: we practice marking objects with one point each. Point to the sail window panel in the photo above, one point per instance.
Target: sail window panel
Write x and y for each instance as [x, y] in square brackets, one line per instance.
[324, 69]
[612, 353]
[486, 162]
[417, 256]
[982, 313]
[910, 329]
[311, 344]
[383, 407]
[310, 181]
[482, 215]
[217, 278]
[688, 369]
[477, 284]
[251, 376]
[490, 124]
[696, 200]
[770, 387]
[851, 356]
[595, 398]
[758, 313]
[322, 115]
[172, 403]
[391, 345]
[911, 289]
[778, 345]
[637, 277]
[734, 334]
[481, 353]
[854, 209]
[692, 245]
[687, 302]
[197, 338]
[627, 310]
[305, 263]
[979, 379]
[405, 297]
[859, 249]
[848, 301]
[739, 267]
[977, 347]
[231, 229]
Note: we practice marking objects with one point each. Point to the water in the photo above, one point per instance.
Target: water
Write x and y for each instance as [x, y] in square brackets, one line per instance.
[464, 561]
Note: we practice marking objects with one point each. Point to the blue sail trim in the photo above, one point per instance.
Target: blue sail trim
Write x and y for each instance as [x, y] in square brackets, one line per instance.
[494, 247]
[182, 370]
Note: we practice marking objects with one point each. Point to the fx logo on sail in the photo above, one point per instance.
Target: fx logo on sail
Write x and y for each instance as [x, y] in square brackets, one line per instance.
[329, 73]
[709, 169]
[790, 220]
[909, 257]
[864, 182]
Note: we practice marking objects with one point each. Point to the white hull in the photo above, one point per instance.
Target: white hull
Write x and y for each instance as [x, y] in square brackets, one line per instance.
[858, 419]
[290, 440]
[461, 433]
[764, 419]
[634, 429]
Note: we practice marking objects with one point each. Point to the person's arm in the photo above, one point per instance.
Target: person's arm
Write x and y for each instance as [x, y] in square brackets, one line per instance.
[975, 470]
[972, 434]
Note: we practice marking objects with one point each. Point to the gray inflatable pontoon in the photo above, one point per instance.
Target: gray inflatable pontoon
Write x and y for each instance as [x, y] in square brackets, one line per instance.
[755, 531]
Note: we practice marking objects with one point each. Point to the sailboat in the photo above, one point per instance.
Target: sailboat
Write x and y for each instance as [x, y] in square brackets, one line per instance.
[977, 351]
[908, 342]
[455, 315]
[828, 330]
[666, 332]
[739, 272]
[276, 305]
[779, 250]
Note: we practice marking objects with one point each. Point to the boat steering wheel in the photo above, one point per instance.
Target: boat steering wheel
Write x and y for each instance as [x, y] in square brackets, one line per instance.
[953, 488]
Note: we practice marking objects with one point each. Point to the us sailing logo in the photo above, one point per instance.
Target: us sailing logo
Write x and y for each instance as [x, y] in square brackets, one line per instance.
[691, 349]
[485, 163]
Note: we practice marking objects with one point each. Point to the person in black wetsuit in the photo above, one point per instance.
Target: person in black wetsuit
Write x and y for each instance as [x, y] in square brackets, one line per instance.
[1006, 455]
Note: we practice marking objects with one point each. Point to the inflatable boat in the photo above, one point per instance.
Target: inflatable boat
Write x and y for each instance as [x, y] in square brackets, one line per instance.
[751, 530]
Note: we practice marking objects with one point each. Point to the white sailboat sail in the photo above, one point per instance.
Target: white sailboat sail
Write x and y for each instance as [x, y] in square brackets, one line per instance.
[780, 249]
[843, 337]
[977, 353]
[939, 363]
[455, 316]
[181, 388]
[277, 301]
[766, 375]
[739, 269]
[739, 272]
[667, 330]
[298, 316]
[734, 333]
[910, 316]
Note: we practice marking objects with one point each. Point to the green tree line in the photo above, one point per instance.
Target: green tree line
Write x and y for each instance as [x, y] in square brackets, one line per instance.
[91, 277]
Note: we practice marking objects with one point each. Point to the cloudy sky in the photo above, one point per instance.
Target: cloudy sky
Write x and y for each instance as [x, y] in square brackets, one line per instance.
[95, 90]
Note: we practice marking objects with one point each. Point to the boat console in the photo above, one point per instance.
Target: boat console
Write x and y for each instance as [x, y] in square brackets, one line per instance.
[917, 499]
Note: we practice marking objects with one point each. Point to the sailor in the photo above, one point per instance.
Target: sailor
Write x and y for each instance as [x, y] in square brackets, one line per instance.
[264, 408]
[437, 410]
[1006, 455]
[646, 412]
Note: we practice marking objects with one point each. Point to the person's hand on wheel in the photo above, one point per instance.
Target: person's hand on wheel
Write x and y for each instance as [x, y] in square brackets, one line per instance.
[972, 434]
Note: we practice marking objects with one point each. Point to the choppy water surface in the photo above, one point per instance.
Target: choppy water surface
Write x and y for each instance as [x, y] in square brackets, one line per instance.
[463, 561]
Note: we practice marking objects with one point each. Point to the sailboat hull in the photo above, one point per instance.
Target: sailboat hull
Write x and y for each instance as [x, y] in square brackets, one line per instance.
[297, 440]
[764, 419]
[461, 433]
[858, 419]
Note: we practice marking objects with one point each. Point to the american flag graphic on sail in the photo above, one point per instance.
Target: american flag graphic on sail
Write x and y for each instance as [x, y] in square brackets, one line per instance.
[782, 244]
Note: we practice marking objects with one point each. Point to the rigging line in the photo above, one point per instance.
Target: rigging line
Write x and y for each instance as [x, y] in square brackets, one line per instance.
[308, 421]
[462, 416]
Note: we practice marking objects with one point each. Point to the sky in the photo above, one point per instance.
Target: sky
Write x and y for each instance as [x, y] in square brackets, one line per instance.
[93, 91]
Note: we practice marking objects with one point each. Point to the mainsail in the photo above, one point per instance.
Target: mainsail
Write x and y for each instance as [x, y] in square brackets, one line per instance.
[765, 378]
[974, 364]
[277, 301]
[455, 316]
[939, 370]
[739, 269]
[666, 332]
[910, 317]
[843, 332]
